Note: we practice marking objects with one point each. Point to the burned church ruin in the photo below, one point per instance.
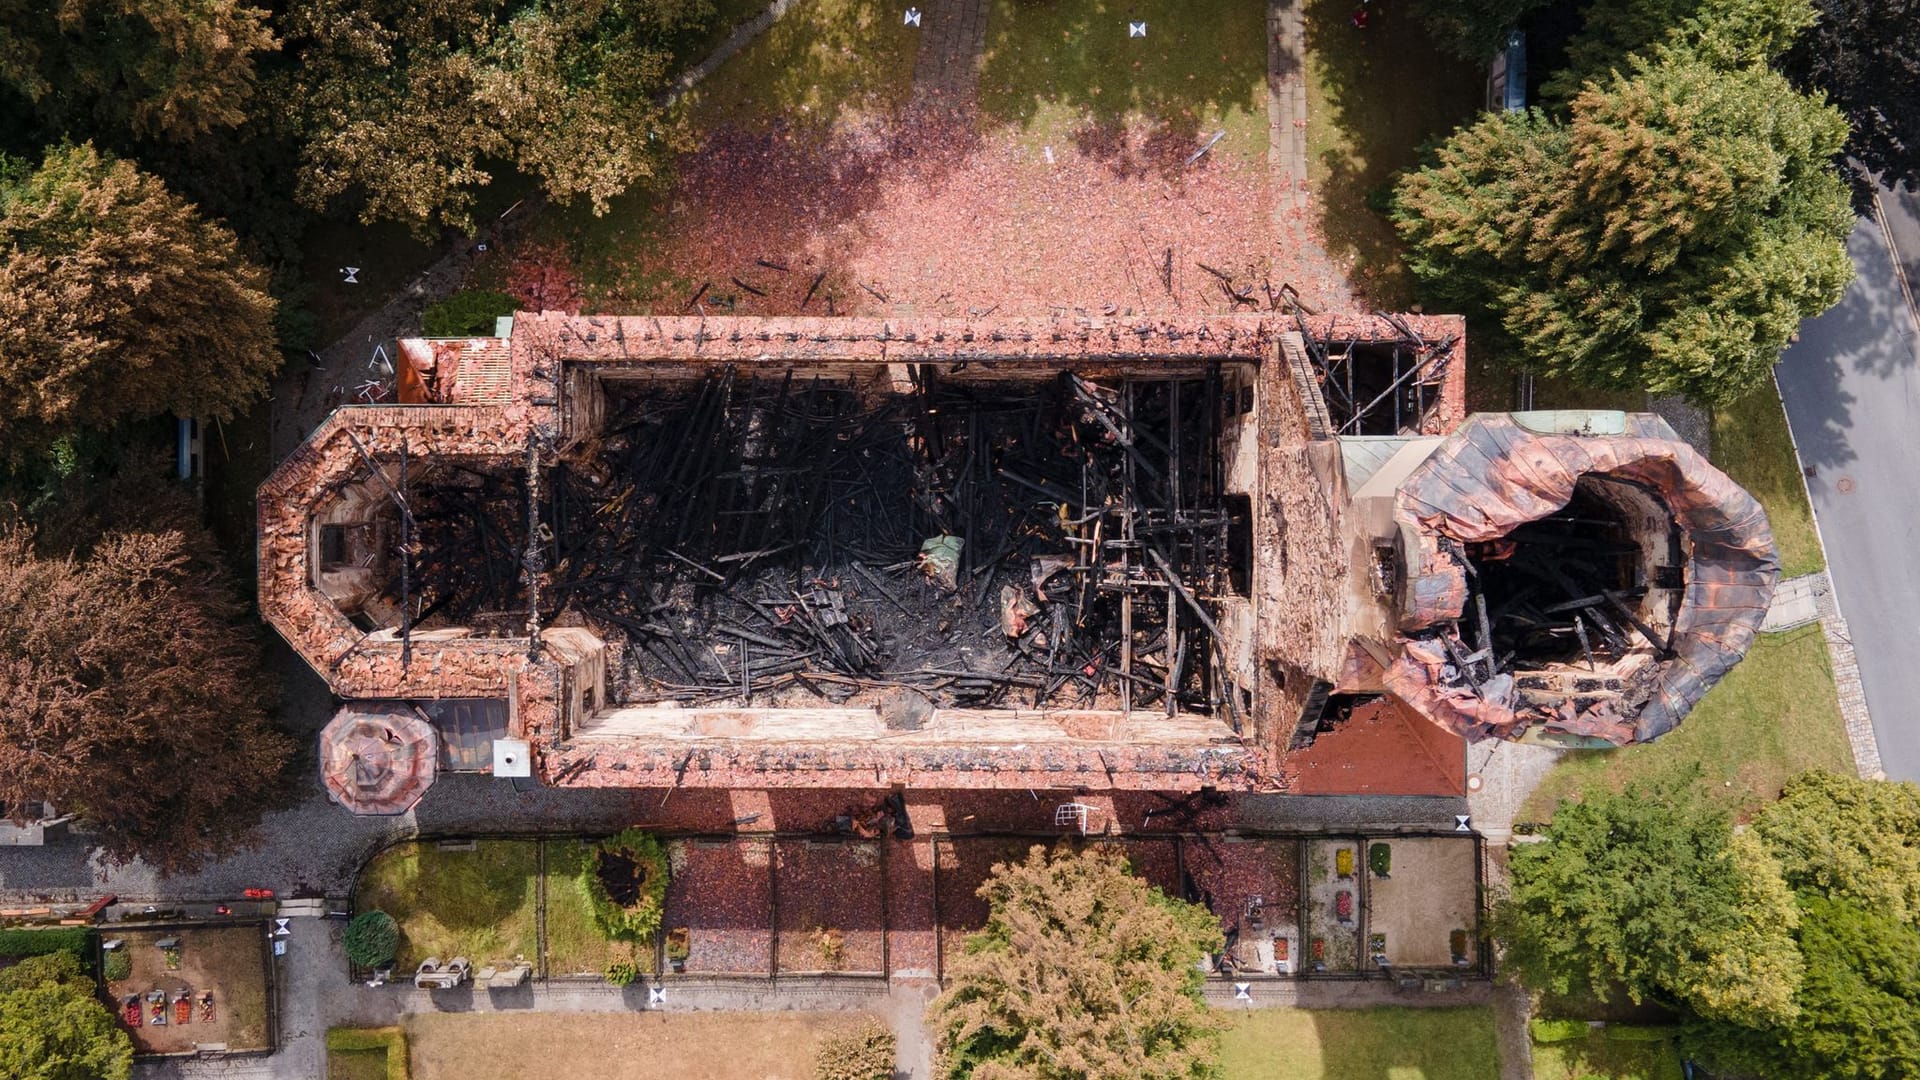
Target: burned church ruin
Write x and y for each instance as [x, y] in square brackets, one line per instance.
[1094, 553]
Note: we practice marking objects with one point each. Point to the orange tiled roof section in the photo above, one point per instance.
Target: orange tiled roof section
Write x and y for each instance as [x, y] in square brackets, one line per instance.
[1384, 748]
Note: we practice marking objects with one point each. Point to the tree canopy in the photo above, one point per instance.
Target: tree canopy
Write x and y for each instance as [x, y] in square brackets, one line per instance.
[53, 1028]
[403, 105]
[1084, 972]
[118, 300]
[1669, 233]
[171, 69]
[131, 692]
[1865, 55]
[1651, 894]
[1656, 894]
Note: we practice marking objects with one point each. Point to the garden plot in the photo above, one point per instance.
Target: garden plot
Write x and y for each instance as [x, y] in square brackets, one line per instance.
[1333, 923]
[1254, 888]
[720, 893]
[963, 864]
[1427, 906]
[472, 898]
[832, 906]
[228, 962]
[575, 945]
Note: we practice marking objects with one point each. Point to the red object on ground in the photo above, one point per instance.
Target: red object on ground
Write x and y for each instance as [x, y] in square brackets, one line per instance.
[1343, 904]
[182, 1011]
[1360, 18]
[130, 1012]
[98, 906]
[258, 894]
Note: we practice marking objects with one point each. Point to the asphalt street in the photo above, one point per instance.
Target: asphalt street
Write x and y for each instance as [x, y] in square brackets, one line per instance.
[1852, 390]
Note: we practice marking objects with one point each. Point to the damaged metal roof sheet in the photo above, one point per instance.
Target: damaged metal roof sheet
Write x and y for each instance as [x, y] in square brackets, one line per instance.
[1494, 475]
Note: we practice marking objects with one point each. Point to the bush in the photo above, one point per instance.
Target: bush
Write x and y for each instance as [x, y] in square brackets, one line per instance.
[468, 313]
[119, 964]
[77, 940]
[1380, 859]
[865, 1052]
[390, 1040]
[636, 921]
[372, 939]
[622, 972]
[1555, 1031]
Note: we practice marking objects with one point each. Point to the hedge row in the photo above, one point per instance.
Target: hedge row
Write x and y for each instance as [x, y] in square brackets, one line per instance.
[391, 1040]
[77, 940]
[1554, 1031]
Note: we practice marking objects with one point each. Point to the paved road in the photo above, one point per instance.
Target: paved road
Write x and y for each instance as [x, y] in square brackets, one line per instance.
[1852, 391]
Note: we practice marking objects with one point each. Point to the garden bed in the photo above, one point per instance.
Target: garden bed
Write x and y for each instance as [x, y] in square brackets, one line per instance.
[832, 907]
[721, 893]
[1332, 942]
[476, 903]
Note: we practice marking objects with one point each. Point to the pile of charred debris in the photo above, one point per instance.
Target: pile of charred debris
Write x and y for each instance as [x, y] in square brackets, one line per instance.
[1566, 590]
[794, 540]
[1376, 387]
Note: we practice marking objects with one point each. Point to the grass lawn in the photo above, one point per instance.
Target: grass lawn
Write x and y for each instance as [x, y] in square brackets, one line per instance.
[1374, 98]
[1751, 442]
[618, 1046]
[356, 1065]
[1773, 716]
[1062, 72]
[478, 904]
[1325, 1044]
[574, 944]
[824, 60]
[1597, 1057]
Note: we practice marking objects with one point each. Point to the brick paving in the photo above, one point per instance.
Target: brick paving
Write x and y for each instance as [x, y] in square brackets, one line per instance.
[946, 73]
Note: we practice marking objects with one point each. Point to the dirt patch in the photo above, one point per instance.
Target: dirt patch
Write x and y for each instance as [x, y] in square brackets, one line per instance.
[1431, 894]
[229, 962]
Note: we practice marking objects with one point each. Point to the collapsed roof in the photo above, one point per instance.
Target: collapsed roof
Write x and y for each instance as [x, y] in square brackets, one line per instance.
[722, 552]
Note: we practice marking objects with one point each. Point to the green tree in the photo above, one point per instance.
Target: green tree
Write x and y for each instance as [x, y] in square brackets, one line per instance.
[1084, 972]
[403, 105]
[47, 969]
[1669, 234]
[118, 300]
[1650, 893]
[1849, 839]
[1731, 33]
[53, 1028]
[1473, 30]
[1858, 1015]
[131, 692]
[172, 69]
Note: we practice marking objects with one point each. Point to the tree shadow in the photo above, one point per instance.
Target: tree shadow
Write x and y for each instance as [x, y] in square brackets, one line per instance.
[1384, 94]
[1868, 335]
[1141, 104]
